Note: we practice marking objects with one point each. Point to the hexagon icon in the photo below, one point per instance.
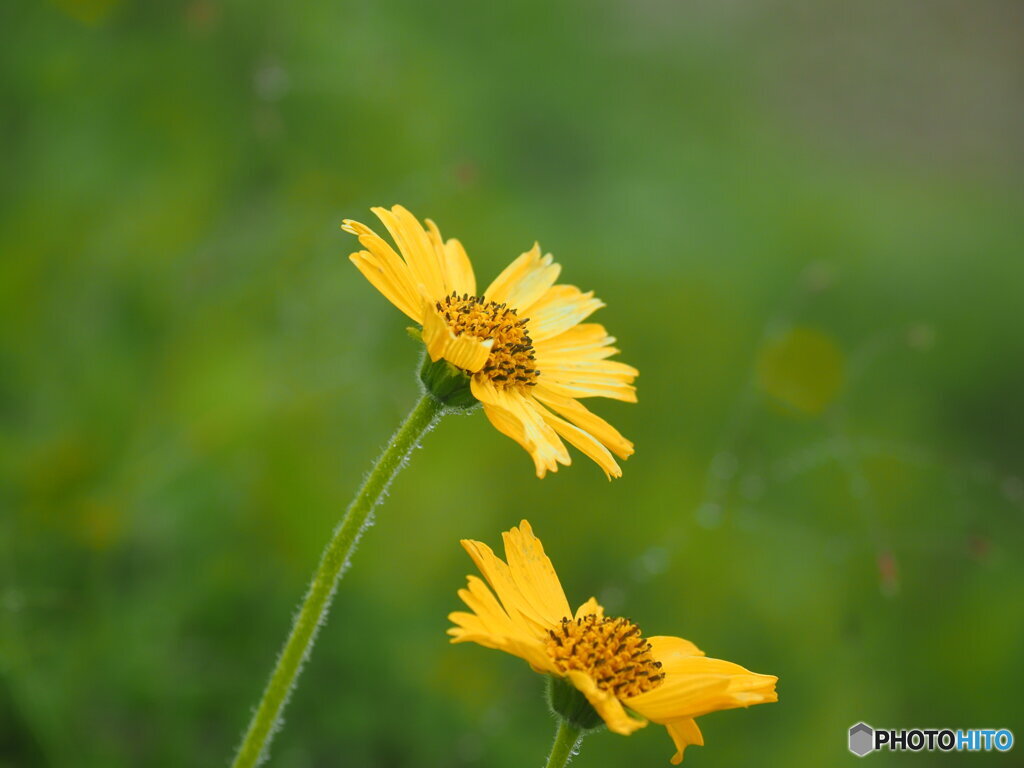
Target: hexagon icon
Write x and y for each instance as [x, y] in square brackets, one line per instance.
[862, 739]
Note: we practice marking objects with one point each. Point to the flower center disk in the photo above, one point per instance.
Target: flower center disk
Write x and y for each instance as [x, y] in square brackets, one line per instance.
[611, 651]
[512, 361]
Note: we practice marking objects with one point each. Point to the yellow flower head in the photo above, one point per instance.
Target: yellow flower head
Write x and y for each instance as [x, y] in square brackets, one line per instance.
[522, 342]
[666, 680]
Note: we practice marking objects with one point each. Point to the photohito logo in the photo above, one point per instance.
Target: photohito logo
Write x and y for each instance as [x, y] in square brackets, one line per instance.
[864, 739]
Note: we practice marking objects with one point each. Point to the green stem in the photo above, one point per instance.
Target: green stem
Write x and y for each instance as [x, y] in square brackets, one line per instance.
[567, 739]
[256, 744]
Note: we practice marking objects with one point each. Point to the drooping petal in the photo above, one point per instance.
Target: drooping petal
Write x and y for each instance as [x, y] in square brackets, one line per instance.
[577, 375]
[680, 696]
[578, 414]
[585, 442]
[684, 732]
[607, 706]
[559, 309]
[697, 685]
[514, 415]
[524, 281]
[534, 574]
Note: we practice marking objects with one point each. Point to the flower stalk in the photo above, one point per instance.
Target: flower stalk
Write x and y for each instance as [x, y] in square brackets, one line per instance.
[255, 745]
[567, 742]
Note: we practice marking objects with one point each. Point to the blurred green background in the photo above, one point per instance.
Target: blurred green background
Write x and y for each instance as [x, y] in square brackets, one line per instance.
[807, 221]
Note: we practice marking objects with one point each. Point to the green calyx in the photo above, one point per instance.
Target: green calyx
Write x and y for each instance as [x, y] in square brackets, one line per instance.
[450, 385]
[570, 705]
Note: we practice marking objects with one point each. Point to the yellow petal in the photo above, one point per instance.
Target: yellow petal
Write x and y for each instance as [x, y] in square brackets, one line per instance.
[386, 281]
[524, 281]
[668, 650]
[514, 415]
[579, 415]
[570, 370]
[534, 574]
[469, 628]
[585, 442]
[590, 607]
[485, 605]
[559, 309]
[428, 266]
[383, 257]
[680, 696]
[576, 375]
[458, 271]
[519, 606]
[684, 732]
[613, 390]
[417, 249]
[466, 352]
[586, 340]
[696, 685]
[437, 335]
[608, 707]
[490, 626]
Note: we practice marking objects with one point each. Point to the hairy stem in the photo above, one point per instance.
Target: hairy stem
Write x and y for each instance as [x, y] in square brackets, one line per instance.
[567, 740]
[255, 746]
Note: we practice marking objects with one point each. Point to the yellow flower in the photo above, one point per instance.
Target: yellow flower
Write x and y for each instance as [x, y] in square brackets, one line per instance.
[667, 680]
[522, 342]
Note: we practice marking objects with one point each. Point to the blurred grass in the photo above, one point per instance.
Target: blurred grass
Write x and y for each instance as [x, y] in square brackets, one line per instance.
[193, 378]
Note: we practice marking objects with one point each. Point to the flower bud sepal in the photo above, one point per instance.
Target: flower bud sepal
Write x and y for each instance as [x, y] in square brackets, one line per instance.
[568, 703]
[448, 384]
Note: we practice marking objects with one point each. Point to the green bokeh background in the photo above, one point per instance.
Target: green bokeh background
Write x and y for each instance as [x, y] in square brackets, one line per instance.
[806, 220]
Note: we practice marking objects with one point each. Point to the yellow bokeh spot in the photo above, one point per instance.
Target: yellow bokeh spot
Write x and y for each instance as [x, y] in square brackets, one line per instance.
[802, 368]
